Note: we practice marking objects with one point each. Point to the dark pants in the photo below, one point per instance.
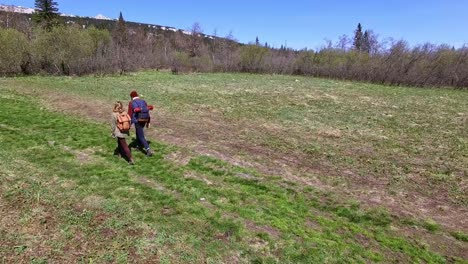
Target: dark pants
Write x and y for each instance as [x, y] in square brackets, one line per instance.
[140, 135]
[123, 149]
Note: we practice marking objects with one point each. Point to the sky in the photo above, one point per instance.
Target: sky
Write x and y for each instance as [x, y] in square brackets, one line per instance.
[296, 24]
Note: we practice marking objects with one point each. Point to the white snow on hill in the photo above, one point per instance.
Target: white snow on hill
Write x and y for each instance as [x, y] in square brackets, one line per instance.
[27, 10]
[102, 17]
[16, 9]
[66, 15]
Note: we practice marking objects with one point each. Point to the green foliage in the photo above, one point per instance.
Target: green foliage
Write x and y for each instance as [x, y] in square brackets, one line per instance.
[460, 236]
[14, 50]
[100, 38]
[62, 47]
[304, 63]
[181, 59]
[202, 63]
[120, 33]
[366, 42]
[46, 14]
[331, 58]
[358, 38]
[431, 225]
[252, 58]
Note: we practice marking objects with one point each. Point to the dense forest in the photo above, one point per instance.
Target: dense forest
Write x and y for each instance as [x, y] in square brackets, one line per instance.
[31, 44]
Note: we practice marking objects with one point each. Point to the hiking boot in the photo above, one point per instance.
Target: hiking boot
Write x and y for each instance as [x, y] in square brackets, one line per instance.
[149, 153]
[131, 162]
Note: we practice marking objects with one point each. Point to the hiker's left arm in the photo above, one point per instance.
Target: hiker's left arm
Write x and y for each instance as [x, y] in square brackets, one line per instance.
[130, 109]
[113, 125]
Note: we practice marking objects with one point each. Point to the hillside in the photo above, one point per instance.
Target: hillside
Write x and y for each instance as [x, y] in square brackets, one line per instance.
[99, 21]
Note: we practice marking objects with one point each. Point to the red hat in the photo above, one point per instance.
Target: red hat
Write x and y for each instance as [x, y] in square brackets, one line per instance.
[133, 94]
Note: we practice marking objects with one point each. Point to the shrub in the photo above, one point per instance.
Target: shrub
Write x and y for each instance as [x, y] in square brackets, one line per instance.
[63, 49]
[13, 52]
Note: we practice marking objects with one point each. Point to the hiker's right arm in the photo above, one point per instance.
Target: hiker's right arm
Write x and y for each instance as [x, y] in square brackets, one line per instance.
[150, 107]
[148, 123]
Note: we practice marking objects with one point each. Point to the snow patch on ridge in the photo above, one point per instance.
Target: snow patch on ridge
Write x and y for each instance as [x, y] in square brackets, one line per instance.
[16, 9]
[100, 16]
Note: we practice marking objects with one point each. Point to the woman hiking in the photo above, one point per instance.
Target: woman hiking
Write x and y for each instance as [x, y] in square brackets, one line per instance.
[120, 127]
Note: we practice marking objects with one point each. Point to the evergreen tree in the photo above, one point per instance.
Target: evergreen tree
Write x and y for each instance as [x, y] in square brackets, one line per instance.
[46, 13]
[121, 31]
[358, 37]
[120, 37]
[366, 45]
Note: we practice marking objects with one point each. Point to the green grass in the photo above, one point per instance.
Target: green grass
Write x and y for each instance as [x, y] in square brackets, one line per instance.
[387, 133]
[460, 236]
[59, 177]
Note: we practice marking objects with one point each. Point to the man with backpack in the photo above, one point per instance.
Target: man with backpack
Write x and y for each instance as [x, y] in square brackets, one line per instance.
[138, 110]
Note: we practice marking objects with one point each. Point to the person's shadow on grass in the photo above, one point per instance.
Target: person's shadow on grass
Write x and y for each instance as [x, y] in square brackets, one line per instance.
[136, 145]
[120, 153]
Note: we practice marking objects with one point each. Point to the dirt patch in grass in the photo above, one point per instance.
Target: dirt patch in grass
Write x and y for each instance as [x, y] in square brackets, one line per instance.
[313, 225]
[152, 184]
[179, 157]
[331, 133]
[258, 244]
[363, 240]
[100, 218]
[68, 184]
[93, 202]
[197, 176]
[85, 156]
[447, 245]
[156, 186]
[272, 232]
[411, 204]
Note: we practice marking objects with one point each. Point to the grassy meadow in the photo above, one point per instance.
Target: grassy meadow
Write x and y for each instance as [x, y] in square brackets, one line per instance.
[248, 169]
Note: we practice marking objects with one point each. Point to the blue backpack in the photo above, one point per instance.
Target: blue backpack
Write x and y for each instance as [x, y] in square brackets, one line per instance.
[143, 115]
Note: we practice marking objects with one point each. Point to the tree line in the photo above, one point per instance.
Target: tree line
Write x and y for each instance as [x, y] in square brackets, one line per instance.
[42, 44]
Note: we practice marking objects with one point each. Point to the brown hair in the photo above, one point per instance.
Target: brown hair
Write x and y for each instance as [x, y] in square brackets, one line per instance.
[118, 107]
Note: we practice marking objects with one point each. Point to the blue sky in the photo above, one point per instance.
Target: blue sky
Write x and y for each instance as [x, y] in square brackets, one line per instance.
[296, 23]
